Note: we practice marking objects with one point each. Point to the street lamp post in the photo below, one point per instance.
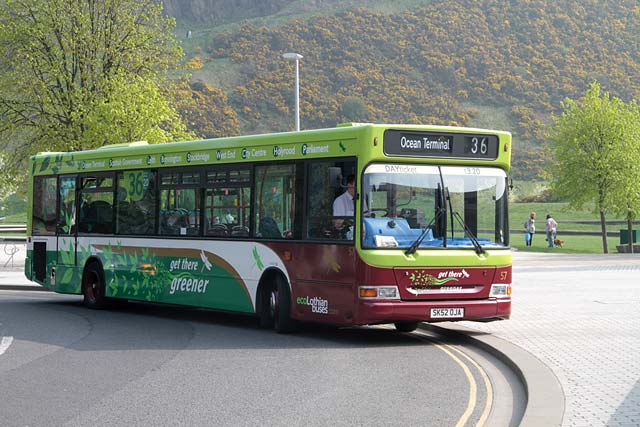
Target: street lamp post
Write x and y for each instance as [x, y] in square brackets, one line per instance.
[296, 57]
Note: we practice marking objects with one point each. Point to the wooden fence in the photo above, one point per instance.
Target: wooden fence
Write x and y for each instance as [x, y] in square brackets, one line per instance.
[613, 229]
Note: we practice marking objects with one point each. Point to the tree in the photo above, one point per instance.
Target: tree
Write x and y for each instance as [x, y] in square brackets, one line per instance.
[595, 144]
[628, 204]
[80, 74]
[626, 196]
[206, 110]
[354, 109]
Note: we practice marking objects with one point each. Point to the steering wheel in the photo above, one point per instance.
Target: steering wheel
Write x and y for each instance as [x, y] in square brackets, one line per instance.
[370, 212]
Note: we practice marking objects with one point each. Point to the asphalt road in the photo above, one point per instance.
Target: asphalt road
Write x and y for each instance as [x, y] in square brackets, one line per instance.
[158, 365]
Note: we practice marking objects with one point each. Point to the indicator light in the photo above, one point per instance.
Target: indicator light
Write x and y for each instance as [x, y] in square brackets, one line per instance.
[379, 292]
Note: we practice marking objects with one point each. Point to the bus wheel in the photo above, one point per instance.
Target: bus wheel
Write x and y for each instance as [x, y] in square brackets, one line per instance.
[264, 307]
[406, 326]
[93, 286]
[280, 306]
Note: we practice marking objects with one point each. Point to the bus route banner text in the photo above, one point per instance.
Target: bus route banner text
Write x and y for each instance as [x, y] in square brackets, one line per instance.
[439, 144]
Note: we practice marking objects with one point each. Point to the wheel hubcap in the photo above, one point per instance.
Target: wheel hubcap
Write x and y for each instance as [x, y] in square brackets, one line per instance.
[92, 287]
[273, 304]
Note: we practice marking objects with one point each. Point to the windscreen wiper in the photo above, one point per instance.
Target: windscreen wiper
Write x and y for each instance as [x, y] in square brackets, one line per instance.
[443, 205]
[414, 246]
[447, 196]
[474, 241]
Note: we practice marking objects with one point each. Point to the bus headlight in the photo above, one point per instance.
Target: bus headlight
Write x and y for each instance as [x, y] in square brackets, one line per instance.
[500, 291]
[379, 292]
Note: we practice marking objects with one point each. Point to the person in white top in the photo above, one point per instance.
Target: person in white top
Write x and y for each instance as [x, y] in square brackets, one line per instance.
[530, 229]
[343, 205]
[551, 228]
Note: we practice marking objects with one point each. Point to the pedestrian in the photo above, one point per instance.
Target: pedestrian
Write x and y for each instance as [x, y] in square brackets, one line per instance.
[551, 228]
[530, 229]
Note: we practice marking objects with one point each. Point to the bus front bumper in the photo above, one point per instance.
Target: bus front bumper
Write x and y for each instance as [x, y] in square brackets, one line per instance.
[375, 312]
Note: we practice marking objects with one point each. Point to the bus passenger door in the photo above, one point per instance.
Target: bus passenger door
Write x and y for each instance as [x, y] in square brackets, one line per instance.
[67, 279]
[325, 265]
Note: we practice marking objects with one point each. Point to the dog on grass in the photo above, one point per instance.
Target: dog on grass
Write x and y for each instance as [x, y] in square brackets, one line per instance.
[557, 242]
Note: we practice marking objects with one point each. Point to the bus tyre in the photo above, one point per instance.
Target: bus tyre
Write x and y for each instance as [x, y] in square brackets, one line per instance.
[280, 306]
[264, 309]
[93, 286]
[406, 326]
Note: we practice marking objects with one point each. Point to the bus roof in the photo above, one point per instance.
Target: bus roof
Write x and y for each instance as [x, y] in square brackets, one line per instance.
[343, 140]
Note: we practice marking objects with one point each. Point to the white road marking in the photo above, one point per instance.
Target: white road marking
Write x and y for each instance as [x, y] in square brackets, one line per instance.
[5, 343]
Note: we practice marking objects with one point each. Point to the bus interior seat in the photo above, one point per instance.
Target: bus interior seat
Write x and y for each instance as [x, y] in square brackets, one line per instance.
[104, 216]
[411, 215]
[173, 220]
[269, 228]
[240, 230]
[96, 217]
[217, 230]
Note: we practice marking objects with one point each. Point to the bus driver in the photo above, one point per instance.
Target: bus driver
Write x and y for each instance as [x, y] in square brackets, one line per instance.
[343, 205]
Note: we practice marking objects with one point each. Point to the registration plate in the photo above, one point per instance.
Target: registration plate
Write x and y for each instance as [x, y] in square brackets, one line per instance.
[447, 313]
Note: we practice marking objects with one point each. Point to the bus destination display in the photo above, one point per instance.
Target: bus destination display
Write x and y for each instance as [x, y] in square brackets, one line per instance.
[436, 144]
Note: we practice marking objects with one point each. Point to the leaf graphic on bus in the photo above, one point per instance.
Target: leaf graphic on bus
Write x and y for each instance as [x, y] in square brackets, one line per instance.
[421, 280]
[67, 255]
[57, 162]
[120, 259]
[256, 257]
[85, 253]
[45, 164]
[107, 254]
[66, 277]
[67, 226]
[331, 262]
[133, 262]
[342, 147]
[114, 287]
[125, 286]
[205, 261]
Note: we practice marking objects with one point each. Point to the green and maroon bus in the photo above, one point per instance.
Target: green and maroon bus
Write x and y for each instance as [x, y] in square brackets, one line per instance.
[248, 224]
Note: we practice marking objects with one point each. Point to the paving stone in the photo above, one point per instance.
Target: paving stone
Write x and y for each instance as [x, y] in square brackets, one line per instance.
[580, 315]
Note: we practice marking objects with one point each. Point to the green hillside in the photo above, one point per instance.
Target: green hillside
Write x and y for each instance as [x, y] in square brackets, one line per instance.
[502, 64]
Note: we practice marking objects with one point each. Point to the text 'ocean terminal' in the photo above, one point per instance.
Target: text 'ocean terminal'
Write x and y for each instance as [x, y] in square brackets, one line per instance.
[425, 143]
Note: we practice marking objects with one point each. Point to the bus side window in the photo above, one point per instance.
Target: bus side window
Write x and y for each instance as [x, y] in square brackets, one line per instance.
[179, 203]
[95, 215]
[43, 220]
[67, 201]
[136, 202]
[179, 212]
[227, 203]
[327, 181]
[275, 201]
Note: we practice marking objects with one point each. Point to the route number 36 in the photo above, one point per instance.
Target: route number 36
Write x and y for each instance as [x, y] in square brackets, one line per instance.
[479, 145]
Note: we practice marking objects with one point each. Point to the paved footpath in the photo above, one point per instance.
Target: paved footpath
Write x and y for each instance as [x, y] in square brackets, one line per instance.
[12, 257]
[580, 315]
